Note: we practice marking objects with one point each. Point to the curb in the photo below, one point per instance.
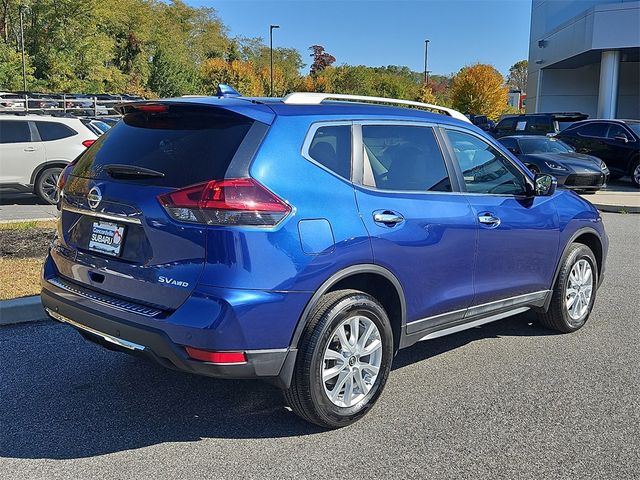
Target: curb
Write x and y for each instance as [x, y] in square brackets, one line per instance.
[616, 208]
[22, 220]
[21, 310]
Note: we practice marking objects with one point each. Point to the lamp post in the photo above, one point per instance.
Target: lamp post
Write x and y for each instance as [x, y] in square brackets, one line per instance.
[22, 9]
[271, 27]
[426, 52]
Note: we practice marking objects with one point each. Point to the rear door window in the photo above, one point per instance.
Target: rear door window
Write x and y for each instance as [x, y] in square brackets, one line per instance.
[404, 158]
[14, 131]
[188, 145]
[597, 130]
[54, 131]
[539, 125]
[331, 147]
[506, 124]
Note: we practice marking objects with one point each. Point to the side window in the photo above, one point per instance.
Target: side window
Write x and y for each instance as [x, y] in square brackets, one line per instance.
[331, 147]
[54, 131]
[404, 157]
[539, 125]
[484, 168]
[14, 131]
[616, 130]
[593, 130]
[506, 124]
[511, 144]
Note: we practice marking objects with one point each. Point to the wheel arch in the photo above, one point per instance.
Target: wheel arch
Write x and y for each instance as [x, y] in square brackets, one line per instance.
[48, 164]
[375, 280]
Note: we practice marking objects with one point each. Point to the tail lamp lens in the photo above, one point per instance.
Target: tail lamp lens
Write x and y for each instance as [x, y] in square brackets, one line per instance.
[88, 143]
[238, 201]
[216, 357]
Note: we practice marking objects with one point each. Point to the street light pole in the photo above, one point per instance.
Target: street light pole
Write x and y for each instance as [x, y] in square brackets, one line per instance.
[271, 27]
[426, 52]
[21, 9]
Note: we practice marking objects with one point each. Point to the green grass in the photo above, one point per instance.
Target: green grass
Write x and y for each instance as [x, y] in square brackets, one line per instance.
[27, 225]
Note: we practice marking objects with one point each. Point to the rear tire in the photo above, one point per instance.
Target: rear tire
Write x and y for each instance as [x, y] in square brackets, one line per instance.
[574, 292]
[343, 361]
[46, 185]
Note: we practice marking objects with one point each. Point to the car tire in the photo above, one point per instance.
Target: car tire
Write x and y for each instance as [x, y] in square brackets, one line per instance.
[635, 171]
[574, 291]
[46, 185]
[319, 394]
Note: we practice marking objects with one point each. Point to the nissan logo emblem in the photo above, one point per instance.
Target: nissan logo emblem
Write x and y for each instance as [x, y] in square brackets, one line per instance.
[94, 197]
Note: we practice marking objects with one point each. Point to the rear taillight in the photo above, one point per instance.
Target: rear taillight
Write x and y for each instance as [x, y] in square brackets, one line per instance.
[64, 175]
[88, 143]
[238, 201]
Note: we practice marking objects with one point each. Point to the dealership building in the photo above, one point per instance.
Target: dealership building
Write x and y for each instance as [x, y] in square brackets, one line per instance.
[584, 56]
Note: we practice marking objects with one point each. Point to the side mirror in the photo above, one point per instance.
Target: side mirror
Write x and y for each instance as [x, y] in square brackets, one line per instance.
[622, 138]
[545, 185]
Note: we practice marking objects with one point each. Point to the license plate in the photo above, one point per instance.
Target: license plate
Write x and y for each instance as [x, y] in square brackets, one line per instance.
[106, 238]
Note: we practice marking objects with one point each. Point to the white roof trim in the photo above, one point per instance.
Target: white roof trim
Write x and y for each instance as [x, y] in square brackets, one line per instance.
[314, 98]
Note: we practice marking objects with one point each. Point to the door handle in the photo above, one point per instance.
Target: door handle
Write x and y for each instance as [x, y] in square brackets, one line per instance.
[387, 217]
[30, 149]
[489, 219]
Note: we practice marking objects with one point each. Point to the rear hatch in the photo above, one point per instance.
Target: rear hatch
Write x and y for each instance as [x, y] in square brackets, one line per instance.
[115, 236]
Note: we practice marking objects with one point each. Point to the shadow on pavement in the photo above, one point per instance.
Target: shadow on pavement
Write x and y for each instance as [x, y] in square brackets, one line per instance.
[20, 199]
[62, 397]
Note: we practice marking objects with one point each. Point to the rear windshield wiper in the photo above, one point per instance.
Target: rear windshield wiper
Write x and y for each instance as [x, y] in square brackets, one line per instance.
[117, 170]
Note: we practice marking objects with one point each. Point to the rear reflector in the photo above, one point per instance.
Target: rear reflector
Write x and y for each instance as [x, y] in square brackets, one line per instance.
[216, 357]
[237, 201]
[88, 143]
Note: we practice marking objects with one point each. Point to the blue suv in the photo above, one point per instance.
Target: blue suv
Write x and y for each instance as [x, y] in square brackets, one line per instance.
[305, 240]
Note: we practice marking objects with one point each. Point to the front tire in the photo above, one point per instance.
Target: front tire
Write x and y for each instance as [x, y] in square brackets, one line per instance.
[344, 360]
[635, 172]
[46, 186]
[574, 292]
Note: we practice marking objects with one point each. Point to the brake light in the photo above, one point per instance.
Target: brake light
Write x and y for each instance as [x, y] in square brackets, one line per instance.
[151, 108]
[88, 143]
[238, 201]
[216, 357]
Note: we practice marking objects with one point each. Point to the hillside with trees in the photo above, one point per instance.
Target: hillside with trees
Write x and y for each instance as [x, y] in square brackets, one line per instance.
[159, 49]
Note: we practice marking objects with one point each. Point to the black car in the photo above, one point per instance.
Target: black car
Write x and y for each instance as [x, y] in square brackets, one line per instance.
[617, 142]
[536, 123]
[482, 122]
[575, 171]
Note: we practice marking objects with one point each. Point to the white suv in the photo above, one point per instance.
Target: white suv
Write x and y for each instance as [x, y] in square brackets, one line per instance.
[35, 148]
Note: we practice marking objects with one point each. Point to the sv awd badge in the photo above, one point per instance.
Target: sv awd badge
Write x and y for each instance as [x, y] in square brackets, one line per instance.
[173, 281]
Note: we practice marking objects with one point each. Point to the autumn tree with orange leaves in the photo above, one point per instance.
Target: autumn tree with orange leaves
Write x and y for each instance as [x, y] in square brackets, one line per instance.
[480, 90]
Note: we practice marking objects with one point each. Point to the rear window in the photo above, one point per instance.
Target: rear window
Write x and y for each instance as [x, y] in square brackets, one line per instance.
[54, 131]
[187, 146]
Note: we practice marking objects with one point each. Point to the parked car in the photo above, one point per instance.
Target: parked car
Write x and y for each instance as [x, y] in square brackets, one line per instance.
[617, 142]
[482, 122]
[305, 241]
[536, 123]
[573, 170]
[11, 101]
[35, 148]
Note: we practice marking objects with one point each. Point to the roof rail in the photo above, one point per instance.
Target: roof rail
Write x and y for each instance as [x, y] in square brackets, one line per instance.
[314, 98]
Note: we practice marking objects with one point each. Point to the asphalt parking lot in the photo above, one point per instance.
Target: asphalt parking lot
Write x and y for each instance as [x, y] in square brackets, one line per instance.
[507, 400]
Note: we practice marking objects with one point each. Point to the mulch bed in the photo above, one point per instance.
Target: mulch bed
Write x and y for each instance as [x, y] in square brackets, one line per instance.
[26, 243]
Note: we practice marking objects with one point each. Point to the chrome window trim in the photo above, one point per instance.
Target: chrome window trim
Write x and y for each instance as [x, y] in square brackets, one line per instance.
[107, 216]
[308, 139]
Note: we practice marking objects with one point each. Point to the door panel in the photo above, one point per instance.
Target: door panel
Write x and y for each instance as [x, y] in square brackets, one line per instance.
[518, 234]
[19, 156]
[419, 229]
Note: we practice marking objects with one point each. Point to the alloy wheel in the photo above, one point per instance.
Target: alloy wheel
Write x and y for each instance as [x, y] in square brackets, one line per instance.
[49, 186]
[636, 174]
[352, 361]
[579, 290]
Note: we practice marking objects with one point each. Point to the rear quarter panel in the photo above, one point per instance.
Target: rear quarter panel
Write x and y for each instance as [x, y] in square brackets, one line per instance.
[275, 259]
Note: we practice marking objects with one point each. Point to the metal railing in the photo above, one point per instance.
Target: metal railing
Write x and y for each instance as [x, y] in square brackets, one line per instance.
[61, 103]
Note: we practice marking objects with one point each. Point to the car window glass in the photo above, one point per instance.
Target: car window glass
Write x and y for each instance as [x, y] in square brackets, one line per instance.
[484, 168]
[592, 130]
[14, 131]
[616, 131]
[404, 157]
[542, 145]
[538, 125]
[54, 131]
[506, 124]
[509, 143]
[331, 147]
[521, 125]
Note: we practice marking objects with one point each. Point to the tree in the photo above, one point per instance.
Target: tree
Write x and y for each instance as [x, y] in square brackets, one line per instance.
[321, 59]
[479, 89]
[517, 78]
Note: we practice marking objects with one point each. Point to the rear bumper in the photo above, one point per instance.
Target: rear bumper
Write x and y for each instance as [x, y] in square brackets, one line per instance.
[114, 333]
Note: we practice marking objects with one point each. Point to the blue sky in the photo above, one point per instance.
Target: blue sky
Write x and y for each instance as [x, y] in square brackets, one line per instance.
[386, 32]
